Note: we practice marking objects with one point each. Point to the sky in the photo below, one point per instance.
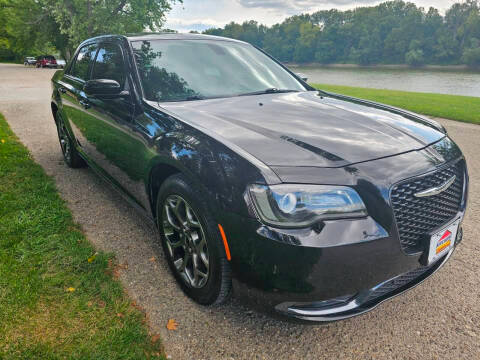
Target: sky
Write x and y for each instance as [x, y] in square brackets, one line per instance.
[203, 14]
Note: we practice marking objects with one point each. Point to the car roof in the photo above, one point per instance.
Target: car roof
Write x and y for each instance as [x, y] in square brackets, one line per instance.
[161, 36]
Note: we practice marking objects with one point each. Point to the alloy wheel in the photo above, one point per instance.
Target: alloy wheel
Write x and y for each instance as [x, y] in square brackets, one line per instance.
[64, 140]
[186, 242]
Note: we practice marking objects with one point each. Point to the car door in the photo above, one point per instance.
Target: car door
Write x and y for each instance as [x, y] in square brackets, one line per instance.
[112, 141]
[71, 91]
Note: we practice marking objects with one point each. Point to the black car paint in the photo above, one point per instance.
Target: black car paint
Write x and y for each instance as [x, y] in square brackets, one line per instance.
[223, 145]
[306, 130]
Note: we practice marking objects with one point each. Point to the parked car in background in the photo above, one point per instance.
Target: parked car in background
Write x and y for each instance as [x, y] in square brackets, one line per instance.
[46, 61]
[29, 60]
[61, 63]
[321, 205]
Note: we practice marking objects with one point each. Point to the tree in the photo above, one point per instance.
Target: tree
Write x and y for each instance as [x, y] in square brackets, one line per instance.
[305, 45]
[392, 32]
[471, 56]
[65, 23]
[415, 57]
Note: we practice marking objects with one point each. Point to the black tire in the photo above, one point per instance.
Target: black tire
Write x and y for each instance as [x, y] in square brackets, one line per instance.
[217, 286]
[70, 154]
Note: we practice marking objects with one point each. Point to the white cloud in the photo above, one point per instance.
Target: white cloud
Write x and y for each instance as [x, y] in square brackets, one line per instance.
[187, 24]
[302, 5]
[201, 14]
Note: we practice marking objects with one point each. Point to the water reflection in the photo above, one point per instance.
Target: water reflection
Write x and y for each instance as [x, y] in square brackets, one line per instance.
[420, 80]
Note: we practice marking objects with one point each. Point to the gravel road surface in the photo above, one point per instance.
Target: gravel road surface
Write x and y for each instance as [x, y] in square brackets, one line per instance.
[437, 320]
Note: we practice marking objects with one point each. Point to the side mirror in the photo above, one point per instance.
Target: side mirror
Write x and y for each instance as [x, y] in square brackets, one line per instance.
[105, 87]
[302, 76]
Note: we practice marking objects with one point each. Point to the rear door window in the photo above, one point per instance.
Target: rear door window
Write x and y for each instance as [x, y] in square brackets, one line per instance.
[83, 61]
[109, 64]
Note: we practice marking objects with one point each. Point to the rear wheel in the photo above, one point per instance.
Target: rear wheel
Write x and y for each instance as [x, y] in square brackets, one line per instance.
[70, 154]
[191, 242]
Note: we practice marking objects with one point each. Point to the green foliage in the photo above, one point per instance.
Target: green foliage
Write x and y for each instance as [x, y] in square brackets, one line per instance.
[461, 108]
[58, 299]
[30, 27]
[471, 56]
[393, 32]
[415, 57]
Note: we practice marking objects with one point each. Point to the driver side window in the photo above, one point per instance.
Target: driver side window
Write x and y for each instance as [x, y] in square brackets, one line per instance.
[82, 63]
[109, 64]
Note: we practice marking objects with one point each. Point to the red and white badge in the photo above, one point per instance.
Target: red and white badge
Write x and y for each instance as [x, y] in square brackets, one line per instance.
[443, 241]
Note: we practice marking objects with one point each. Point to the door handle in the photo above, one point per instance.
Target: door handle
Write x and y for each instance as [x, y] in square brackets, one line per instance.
[62, 90]
[84, 103]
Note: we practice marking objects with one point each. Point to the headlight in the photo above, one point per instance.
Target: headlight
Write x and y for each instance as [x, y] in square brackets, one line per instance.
[288, 205]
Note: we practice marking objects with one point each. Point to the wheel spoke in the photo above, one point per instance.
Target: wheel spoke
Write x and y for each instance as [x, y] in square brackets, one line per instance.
[176, 211]
[176, 244]
[178, 263]
[199, 245]
[170, 219]
[204, 258]
[199, 277]
[181, 263]
[182, 230]
[191, 218]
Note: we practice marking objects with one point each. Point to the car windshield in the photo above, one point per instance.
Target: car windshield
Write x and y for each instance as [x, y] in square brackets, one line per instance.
[178, 70]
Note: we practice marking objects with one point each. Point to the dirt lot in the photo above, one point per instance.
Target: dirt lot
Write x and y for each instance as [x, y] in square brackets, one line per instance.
[439, 319]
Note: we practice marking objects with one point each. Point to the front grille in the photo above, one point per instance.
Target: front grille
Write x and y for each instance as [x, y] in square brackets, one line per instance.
[395, 283]
[415, 217]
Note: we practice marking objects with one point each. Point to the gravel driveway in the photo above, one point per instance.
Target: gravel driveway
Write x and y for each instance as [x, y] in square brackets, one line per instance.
[439, 319]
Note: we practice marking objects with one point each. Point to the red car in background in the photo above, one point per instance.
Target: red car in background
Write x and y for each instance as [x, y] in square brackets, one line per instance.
[46, 61]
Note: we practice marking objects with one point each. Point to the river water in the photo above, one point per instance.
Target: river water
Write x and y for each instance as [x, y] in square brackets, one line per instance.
[432, 81]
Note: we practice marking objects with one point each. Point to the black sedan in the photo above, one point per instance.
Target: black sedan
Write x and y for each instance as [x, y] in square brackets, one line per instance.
[320, 205]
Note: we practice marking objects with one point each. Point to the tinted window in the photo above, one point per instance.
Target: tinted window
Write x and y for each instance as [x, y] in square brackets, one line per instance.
[84, 59]
[189, 69]
[49, 57]
[109, 64]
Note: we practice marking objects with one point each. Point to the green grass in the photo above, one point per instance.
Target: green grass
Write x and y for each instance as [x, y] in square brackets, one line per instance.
[11, 62]
[54, 302]
[454, 107]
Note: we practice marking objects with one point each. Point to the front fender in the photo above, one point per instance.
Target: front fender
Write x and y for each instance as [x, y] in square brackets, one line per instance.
[219, 173]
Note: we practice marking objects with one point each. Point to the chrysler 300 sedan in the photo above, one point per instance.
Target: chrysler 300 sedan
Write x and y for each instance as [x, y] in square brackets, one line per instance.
[319, 205]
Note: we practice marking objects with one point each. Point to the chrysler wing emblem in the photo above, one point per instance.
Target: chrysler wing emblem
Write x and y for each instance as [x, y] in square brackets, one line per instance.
[437, 189]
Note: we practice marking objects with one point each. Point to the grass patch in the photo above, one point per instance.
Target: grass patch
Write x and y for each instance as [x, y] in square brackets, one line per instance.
[54, 302]
[454, 107]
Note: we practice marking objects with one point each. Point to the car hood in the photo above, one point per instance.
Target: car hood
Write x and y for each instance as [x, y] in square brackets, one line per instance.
[306, 129]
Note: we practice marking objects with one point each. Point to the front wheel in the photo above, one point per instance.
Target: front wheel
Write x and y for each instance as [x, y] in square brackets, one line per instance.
[191, 242]
[70, 154]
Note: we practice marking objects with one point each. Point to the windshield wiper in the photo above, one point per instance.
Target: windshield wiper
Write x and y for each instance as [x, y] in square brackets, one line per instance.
[195, 97]
[188, 98]
[269, 91]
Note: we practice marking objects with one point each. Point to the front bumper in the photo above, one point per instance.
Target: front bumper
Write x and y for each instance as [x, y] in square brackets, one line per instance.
[306, 276]
[346, 307]
[342, 268]
[339, 269]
